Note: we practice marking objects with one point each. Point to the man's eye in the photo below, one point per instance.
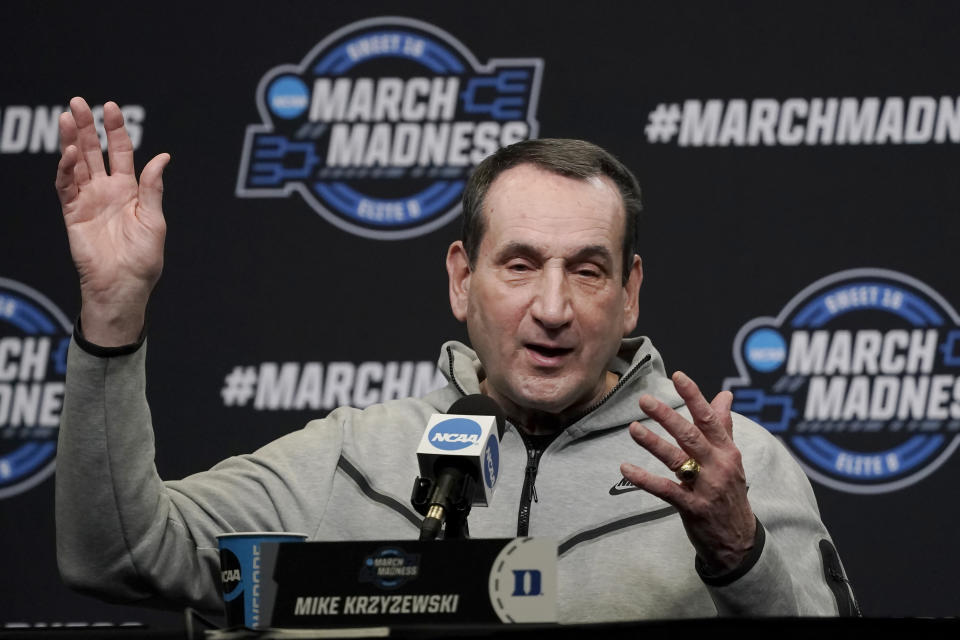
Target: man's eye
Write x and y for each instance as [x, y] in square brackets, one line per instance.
[588, 272]
[518, 267]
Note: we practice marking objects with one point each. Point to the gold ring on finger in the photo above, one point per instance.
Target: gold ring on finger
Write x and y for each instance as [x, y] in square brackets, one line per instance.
[688, 471]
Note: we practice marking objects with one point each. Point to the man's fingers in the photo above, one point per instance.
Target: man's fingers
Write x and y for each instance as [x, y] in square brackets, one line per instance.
[722, 404]
[662, 450]
[119, 146]
[68, 138]
[705, 415]
[68, 130]
[151, 186]
[689, 437]
[66, 180]
[665, 489]
[87, 139]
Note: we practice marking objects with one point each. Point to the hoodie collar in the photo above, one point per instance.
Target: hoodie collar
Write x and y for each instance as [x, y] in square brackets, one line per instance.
[637, 363]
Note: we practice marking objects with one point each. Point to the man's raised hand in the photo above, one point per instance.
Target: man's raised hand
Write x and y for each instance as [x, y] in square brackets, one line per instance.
[115, 226]
[714, 507]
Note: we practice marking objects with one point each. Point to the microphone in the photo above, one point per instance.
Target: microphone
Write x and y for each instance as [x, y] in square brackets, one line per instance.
[459, 459]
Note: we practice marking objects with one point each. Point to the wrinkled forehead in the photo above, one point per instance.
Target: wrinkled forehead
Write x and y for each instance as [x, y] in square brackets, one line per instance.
[533, 201]
[527, 172]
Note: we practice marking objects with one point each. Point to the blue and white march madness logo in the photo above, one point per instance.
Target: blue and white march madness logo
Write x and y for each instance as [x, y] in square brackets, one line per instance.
[454, 434]
[34, 336]
[390, 568]
[859, 375]
[379, 125]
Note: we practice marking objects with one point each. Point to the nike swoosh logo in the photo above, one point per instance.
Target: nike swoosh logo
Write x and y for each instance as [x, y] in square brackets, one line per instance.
[624, 486]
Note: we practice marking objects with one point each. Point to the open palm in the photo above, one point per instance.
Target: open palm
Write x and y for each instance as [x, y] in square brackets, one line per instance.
[115, 226]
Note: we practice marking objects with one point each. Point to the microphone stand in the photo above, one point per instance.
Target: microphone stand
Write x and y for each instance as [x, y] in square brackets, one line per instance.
[446, 503]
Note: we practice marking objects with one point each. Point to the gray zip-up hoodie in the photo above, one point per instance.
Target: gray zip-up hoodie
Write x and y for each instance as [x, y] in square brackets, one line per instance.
[126, 535]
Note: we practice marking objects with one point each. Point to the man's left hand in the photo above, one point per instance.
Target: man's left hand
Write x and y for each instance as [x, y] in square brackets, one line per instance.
[713, 506]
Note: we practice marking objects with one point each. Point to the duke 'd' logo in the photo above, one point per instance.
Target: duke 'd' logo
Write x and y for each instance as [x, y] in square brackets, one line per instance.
[34, 336]
[455, 433]
[859, 375]
[379, 125]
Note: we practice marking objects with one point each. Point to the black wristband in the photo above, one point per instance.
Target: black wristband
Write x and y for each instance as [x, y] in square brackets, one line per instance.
[728, 577]
[107, 352]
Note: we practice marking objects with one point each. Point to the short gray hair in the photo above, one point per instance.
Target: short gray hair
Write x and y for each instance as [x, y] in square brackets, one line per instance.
[572, 158]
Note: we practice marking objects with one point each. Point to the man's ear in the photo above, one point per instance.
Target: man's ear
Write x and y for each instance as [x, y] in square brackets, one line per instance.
[458, 272]
[631, 290]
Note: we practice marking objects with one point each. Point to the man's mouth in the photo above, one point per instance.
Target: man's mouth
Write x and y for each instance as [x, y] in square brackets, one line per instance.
[548, 353]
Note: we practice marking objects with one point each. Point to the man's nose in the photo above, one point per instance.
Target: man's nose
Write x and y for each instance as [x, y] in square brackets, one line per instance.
[552, 306]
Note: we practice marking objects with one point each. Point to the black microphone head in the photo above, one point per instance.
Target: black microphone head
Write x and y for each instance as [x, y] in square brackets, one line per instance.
[477, 404]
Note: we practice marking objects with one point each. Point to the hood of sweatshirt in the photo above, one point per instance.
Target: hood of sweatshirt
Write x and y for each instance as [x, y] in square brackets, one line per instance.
[638, 365]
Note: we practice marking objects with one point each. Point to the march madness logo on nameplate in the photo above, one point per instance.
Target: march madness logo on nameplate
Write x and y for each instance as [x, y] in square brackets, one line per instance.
[379, 125]
[858, 376]
[34, 336]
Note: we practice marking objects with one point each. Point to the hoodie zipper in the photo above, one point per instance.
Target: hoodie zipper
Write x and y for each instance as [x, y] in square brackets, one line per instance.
[529, 493]
[453, 378]
[622, 381]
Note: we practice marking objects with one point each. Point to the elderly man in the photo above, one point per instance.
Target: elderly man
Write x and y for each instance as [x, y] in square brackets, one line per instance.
[546, 278]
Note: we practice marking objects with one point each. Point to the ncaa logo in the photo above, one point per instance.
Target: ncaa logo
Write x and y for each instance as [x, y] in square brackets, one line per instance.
[379, 125]
[491, 462]
[231, 580]
[454, 434]
[34, 336]
[858, 376]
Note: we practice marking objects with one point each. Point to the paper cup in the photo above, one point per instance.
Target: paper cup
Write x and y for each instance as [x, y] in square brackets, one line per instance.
[240, 575]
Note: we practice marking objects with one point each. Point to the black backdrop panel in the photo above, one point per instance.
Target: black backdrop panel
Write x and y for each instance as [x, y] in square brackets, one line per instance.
[778, 145]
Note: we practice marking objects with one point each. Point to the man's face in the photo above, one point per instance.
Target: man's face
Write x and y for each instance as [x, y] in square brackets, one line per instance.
[545, 304]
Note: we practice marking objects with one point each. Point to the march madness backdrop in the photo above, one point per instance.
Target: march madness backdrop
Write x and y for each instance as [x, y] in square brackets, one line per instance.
[800, 171]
